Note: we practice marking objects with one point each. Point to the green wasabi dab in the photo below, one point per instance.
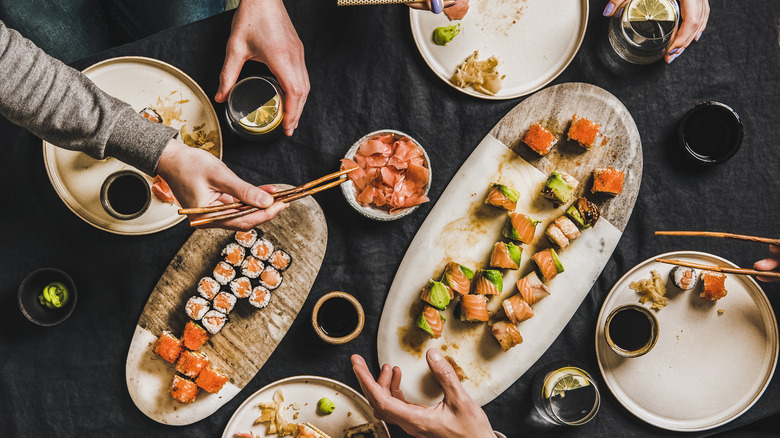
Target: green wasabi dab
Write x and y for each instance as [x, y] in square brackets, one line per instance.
[326, 406]
[54, 295]
[445, 34]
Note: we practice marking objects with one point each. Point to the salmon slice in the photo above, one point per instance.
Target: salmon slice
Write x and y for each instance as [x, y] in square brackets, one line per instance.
[568, 228]
[556, 237]
[521, 227]
[431, 321]
[162, 191]
[488, 282]
[506, 256]
[503, 197]
[473, 308]
[517, 309]
[546, 263]
[458, 277]
[532, 289]
[458, 10]
[506, 334]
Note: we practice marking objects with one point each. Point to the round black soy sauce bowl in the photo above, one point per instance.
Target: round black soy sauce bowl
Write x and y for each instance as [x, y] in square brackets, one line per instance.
[32, 287]
[710, 133]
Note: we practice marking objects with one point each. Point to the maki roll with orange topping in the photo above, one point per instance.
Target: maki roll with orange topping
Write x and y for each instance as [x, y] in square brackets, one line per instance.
[224, 302]
[196, 307]
[506, 334]
[437, 294]
[457, 277]
[539, 139]
[280, 260]
[191, 362]
[505, 255]
[213, 321]
[223, 273]
[252, 267]
[259, 297]
[488, 282]
[517, 309]
[246, 238]
[208, 288]
[431, 321]
[211, 380]
[241, 287]
[168, 347]
[502, 196]
[473, 308]
[608, 180]
[520, 227]
[262, 249]
[547, 264]
[270, 278]
[234, 254]
[194, 336]
[532, 289]
[713, 285]
[183, 390]
[583, 131]
[559, 187]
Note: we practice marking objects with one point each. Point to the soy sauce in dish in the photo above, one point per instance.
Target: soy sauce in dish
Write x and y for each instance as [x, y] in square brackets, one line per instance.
[127, 194]
[711, 132]
[630, 329]
[337, 317]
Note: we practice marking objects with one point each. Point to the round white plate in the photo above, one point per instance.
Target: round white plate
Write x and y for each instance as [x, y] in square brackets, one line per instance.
[352, 409]
[534, 50]
[139, 81]
[706, 369]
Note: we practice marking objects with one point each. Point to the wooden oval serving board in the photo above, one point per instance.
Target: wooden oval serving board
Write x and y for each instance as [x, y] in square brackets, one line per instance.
[461, 228]
[251, 334]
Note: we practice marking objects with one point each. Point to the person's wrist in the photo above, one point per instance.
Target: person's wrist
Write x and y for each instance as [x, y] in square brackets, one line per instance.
[169, 160]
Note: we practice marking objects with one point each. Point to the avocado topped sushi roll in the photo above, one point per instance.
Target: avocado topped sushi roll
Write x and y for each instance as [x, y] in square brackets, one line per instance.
[457, 277]
[437, 294]
[560, 187]
[506, 255]
[520, 227]
[548, 264]
[431, 321]
[584, 213]
[502, 196]
[488, 282]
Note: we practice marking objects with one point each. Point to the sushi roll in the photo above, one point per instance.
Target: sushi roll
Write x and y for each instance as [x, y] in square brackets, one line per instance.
[437, 294]
[211, 380]
[506, 255]
[532, 289]
[556, 237]
[684, 278]
[431, 321]
[539, 139]
[457, 277]
[488, 282]
[223, 273]
[150, 114]
[194, 336]
[502, 196]
[224, 302]
[252, 267]
[262, 249]
[548, 264]
[473, 308]
[270, 278]
[559, 187]
[583, 213]
[246, 238]
[241, 287]
[196, 307]
[190, 363]
[520, 227]
[259, 297]
[608, 180]
[234, 254]
[506, 334]
[168, 347]
[208, 288]
[568, 228]
[280, 260]
[213, 321]
[183, 390]
[713, 285]
[517, 309]
[583, 131]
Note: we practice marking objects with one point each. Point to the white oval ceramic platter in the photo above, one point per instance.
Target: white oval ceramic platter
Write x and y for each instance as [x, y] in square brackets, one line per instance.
[140, 82]
[303, 392]
[708, 368]
[535, 40]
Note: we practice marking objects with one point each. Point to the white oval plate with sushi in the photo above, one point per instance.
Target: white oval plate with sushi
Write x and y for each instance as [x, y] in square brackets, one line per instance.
[535, 40]
[708, 367]
[77, 177]
[303, 392]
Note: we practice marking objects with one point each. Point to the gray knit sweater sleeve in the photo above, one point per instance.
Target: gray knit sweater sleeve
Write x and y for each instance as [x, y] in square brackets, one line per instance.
[65, 108]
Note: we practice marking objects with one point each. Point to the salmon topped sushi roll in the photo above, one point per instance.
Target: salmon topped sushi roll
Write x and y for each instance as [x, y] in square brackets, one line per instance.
[224, 273]
[262, 249]
[168, 347]
[502, 196]
[196, 307]
[559, 187]
[608, 180]
[713, 285]
[150, 114]
[583, 131]
[213, 321]
[234, 254]
[532, 289]
[280, 260]
[208, 288]
[270, 278]
[183, 390]
[252, 267]
[568, 228]
[505, 255]
[473, 308]
[241, 287]
[584, 213]
[246, 238]
[520, 227]
[548, 264]
[457, 277]
[431, 321]
[556, 237]
[194, 336]
[191, 362]
[488, 282]
[224, 302]
[211, 380]
[506, 334]
[437, 294]
[517, 309]
[260, 297]
[539, 139]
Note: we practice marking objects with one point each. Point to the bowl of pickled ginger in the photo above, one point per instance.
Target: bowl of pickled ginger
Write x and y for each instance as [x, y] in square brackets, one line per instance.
[392, 176]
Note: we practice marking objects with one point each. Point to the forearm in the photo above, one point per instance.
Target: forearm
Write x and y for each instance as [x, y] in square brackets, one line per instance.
[63, 107]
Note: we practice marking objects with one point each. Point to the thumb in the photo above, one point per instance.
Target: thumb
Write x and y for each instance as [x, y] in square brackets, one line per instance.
[229, 74]
[243, 191]
[445, 375]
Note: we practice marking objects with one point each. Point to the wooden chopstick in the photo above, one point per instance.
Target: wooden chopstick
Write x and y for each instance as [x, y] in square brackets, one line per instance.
[738, 271]
[721, 235]
[276, 195]
[375, 2]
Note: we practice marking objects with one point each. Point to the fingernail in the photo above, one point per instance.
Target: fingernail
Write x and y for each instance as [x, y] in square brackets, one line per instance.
[436, 355]
[436, 6]
[675, 56]
[673, 51]
[608, 10]
[699, 36]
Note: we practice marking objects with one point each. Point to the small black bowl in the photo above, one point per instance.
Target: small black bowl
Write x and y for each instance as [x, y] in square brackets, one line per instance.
[32, 287]
[710, 133]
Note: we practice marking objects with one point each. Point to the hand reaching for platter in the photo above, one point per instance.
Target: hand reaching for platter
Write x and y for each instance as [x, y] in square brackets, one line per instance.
[199, 179]
[695, 14]
[262, 31]
[455, 416]
[771, 263]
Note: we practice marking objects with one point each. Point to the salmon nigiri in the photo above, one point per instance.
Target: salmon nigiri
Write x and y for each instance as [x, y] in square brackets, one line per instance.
[520, 227]
[506, 334]
[556, 237]
[431, 321]
[458, 277]
[517, 309]
[505, 255]
[473, 308]
[502, 196]
[568, 228]
[488, 282]
[532, 289]
[437, 294]
[548, 264]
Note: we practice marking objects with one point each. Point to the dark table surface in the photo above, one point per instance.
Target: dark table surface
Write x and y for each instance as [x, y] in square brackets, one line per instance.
[366, 74]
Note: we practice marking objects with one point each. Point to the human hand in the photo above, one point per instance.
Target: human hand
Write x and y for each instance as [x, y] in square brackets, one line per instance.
[769, 264]
[457, 416]
[695, 14]
[198, 179]
[435, 6]
[262, 31]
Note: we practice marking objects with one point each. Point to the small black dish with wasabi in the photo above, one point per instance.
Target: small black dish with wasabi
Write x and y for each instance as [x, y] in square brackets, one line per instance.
[47, 297]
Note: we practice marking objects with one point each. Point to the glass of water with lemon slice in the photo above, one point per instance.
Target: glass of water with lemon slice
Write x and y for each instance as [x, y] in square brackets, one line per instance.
[255, 108]
[642, 31]
[565, 394]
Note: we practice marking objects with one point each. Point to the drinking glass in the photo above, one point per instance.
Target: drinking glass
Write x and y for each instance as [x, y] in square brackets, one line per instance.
[255, 108]
[565, 394]
[641, 32]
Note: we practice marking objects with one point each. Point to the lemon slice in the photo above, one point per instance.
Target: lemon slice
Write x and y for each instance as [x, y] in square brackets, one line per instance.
[572, 379]
[651, 10]
[264, 118]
